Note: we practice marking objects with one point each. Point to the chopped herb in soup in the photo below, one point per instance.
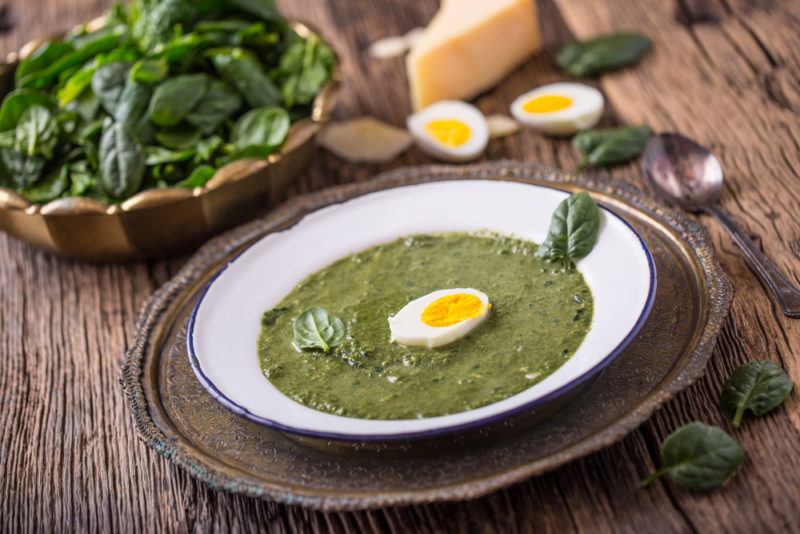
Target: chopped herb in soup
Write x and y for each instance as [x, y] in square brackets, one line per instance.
[537, 315]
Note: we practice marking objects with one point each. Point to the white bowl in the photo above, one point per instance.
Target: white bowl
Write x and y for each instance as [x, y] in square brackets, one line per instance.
[225, 323]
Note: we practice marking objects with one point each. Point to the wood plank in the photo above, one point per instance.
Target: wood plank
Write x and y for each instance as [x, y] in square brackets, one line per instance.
[69, 455]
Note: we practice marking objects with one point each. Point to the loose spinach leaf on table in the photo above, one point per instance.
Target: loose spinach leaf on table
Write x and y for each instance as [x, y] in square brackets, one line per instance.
[242, 70]
[175, 97]
[611, 145]
[317, 328]
[602, 54]
[573, 230]
[756, 386]
[121, 162]
[698, 456]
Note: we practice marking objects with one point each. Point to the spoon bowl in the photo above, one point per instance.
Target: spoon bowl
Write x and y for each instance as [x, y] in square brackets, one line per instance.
[682, 171]
[688, 175]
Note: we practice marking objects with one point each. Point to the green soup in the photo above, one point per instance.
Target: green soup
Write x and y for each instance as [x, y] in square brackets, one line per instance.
[540, 314]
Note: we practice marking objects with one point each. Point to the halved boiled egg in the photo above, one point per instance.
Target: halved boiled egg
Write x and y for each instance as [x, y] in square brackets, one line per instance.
[450, 129]
[559, 108]
[439, 318]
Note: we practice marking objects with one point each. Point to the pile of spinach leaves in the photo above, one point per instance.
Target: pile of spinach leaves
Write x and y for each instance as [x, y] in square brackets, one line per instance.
[162, 95]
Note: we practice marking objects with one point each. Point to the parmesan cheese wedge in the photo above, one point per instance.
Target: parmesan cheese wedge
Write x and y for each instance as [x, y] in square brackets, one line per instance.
[469, 46]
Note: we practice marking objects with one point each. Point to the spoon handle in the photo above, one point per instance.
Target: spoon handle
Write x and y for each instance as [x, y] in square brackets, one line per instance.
[787, 295]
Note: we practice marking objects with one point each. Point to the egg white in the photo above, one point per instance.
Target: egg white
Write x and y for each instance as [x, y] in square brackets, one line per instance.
[407, 327]
[450, 110]
[584, 112]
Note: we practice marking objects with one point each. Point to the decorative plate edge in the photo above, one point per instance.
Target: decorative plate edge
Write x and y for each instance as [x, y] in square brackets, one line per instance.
[718, 286]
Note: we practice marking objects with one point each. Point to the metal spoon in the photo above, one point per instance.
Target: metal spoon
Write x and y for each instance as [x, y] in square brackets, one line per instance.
[687, 174]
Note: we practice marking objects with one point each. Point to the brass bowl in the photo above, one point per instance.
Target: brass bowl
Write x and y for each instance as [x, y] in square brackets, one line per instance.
[157, 222]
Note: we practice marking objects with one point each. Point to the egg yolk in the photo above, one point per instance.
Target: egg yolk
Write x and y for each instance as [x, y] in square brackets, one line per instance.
[452, 309]
[449, 132]
[547, 104]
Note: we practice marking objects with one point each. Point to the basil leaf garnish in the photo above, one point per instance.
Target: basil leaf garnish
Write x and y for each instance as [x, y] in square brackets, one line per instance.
[698, 456]
[610, 146]
[602, 54]
[573, 230]
[756, 386]
[317, 328]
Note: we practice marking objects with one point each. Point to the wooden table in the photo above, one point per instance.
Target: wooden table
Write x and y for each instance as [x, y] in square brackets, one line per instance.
[726, 73]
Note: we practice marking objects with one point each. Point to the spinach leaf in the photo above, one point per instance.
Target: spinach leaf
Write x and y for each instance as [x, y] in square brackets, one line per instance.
[602, 54]
[37, 133]
[217, 105]
[132, 105]
[76, 85]
[78, 82]
[23, 171]
[149, 71]
[121, 162]
[42, 58]
[756, 386]
[611, 145]
[108, 82]
[86, 106]
[174, 98]
[225, 26]
[156, 22]
[52, 187]
[156, 155]
[243, 71]
[264, 9]
[317, 328]
[207, 148]
[82, 179]
[698, 456]
[46, 77]
[183, 48]
[15, 104]
[573, 230]
[304, 69]
[178, 137]
[262, 127]
[198, 177]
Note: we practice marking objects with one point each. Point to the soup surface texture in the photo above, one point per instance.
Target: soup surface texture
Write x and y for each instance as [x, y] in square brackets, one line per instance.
[540, 314]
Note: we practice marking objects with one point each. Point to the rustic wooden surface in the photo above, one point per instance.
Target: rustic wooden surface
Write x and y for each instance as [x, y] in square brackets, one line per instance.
[725, 72]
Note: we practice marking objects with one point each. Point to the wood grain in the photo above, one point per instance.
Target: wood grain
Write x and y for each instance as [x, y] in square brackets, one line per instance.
[725, 72]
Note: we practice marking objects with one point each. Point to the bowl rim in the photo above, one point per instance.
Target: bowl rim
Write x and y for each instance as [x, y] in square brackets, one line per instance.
[528, 406]
[321, 112]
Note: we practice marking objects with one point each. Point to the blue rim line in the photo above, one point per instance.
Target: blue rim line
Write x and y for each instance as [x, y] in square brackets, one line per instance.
[488, 420]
